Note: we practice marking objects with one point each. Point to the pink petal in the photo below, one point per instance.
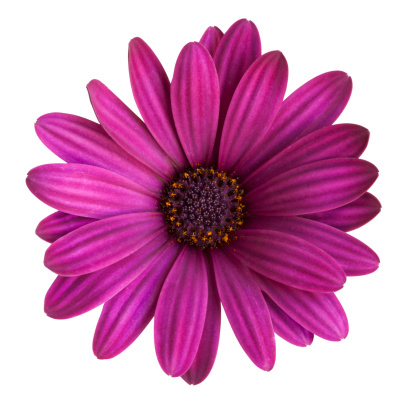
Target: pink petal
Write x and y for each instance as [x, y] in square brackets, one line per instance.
[319, 186]
[355, 257]
[102, 243]
[80, 141]
[315, 105]
[245, 308]
[286, 327]
[288, 259]
[181, 312]
[126, 315]
[207, 350]
[253, 107]
[58, 224]
[238, 49]
[211, 39]
[151, 89]
[72, 296]
[87, 191]
[350, 216]
[195, 100]
[128, 130]
[320, 313]
[336, 141]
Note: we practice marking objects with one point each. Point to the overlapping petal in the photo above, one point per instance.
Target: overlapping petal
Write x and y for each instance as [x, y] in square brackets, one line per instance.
[181, 312]
[102, 243]
[211, 39]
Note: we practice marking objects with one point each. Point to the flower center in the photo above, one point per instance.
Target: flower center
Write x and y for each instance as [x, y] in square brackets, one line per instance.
[203, 207]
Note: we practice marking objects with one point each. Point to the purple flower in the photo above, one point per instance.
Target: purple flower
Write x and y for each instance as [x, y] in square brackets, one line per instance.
[227, 194]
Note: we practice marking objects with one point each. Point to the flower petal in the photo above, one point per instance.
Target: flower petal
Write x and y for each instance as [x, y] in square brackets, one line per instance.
[320, 313]
[286, 327]
[151, 89]
[58, 224]
[195, 100]
[355, 257]
[128, 130]
[319, 186]
[207, 350]
[253, 107]
[80, 141]
[288, 259]
[315, 105]
[126, 315]
[181, 312]
[245, 308]
[102, 243]
[350, 216]
[238, 49]
[211, 39]
[73, 296]
[87, 191]
[336, 141]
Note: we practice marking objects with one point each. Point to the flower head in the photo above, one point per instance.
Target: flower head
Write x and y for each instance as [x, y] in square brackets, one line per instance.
[226, 193]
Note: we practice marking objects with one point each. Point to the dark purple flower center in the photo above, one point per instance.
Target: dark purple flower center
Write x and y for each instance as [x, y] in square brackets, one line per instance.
[203, 207]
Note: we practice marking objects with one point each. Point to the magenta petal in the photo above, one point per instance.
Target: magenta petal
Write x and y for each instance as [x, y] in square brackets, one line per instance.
[151, 89]
[195, 100]
[102, 243]
[87, 191]
[350, 216]
[355, 257]
[126, 315]
[181, 312]
[211, 39]
[58, 224]
[253, 107]
[80, 141]
[128, 130]
[315, 105]
[207, 350]
[336, 141]
[320, 313]
[286, 327]
[319, 186]
[288, 259]
[245, 308]
[72, 296]
[238, 49]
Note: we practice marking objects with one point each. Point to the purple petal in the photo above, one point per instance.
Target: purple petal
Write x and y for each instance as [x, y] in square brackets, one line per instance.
[288, 259]
[151, 89]
[126, 315]
[253, 107]
[355, 257]
[315, 105]
[286, 327]
[195, 100]
[87, 191]
[128, 130]
[245, 308]
[72, 296]
[320, 313]
[211, 39]
[102, 243]
[238, 49]
[181, 312]
[350, 216]
[80, 141]
[207, 350]
[58, 224]
[319, 186]
[336, 141]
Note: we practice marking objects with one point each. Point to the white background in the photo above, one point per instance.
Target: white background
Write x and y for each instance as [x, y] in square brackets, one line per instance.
[50, 50]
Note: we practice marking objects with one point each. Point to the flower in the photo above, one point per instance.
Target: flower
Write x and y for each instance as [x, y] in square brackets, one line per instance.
[227, 194]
